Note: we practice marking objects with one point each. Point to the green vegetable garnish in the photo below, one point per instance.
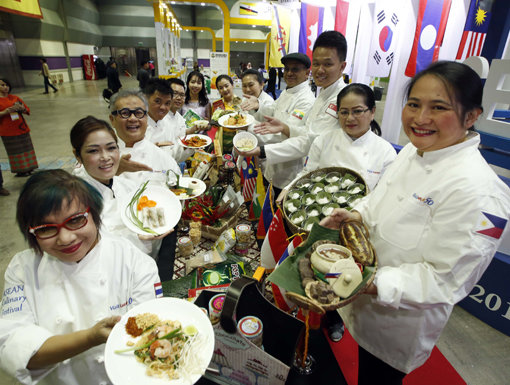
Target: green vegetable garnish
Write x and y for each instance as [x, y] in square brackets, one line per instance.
[173, 334]
[131, 210]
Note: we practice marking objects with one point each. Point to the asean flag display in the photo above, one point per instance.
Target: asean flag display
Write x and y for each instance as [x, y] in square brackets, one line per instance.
[341, 13]
[475, 30]
[312, 19]
[430, 27]
[275, 242]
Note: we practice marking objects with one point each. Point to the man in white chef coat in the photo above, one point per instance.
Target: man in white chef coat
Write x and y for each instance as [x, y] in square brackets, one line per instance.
[328, 63]
[290, 108]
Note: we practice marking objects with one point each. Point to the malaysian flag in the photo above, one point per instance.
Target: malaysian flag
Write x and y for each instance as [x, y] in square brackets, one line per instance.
[249, 178]
[475, 30]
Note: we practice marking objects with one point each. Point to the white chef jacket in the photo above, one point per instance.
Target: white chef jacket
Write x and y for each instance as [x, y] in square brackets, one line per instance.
[169, 129]
[290, 108]
[423, 218]
[148, 153]
[322, 115]
[44, 297]
[369, 155]
[115, 200]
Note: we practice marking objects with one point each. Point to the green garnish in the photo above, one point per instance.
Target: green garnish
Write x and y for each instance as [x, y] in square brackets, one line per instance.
[131, 210]
[173, 334]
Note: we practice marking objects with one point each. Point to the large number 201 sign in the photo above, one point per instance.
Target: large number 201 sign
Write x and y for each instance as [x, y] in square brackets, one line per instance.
[491, 301]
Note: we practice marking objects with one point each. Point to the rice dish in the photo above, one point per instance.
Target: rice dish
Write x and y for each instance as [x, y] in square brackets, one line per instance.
[347, 182]
[355, 190]
[332, 188]
[323, 200]
[297, 220]
[291, 208]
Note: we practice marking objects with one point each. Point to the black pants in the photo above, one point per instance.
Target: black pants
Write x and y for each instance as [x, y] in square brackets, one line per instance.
[371, 370]
[166, 257]
[47, 83]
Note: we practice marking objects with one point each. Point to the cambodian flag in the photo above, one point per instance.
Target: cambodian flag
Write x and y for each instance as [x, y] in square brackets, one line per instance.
[312, 19]
[475, 30]
[428, 37]
[491, 225]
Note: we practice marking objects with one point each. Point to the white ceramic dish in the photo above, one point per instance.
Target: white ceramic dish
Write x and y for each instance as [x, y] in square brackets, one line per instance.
[124, 369]
[223, 120]
[197, 185]
[201, 124]
[247, 137]
[163, 198]
[205, 137]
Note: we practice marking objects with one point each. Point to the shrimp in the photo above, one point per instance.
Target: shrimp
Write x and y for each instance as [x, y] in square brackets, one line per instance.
[160, 349]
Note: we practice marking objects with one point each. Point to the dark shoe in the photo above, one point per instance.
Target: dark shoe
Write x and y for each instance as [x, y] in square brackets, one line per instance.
[23, 174]
[55, 91]
[4, 192]
[44, 93]
[336, 332]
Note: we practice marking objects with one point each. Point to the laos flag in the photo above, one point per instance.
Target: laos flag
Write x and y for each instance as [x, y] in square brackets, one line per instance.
[384, 38]
[428, 37]
[312, 19]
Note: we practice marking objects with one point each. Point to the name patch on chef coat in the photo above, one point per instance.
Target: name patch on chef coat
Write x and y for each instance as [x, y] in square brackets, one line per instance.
[332, 111]
[490, 225]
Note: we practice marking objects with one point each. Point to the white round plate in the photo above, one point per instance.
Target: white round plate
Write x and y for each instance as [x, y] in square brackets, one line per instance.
[163, 198]
[207, 139]
[197, 185]
[124, 369]
[223, 120]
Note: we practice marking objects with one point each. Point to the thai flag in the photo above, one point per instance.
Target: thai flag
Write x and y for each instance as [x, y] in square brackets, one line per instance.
[428, 37]
[158, 289]
[267, 214]
[312, 19]
[491, 225]
[275, 242]
[249, 176]
[475, 30]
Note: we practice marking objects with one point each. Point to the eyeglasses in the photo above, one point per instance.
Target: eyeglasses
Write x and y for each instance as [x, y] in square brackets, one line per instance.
[72, 223]
[125, 113]
[179, 95]
[356, 113]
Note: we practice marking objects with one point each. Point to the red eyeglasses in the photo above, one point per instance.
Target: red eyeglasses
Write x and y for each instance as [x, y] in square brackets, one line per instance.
[75, 222]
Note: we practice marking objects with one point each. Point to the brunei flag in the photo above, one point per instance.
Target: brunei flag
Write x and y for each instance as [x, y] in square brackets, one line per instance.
[491, 225]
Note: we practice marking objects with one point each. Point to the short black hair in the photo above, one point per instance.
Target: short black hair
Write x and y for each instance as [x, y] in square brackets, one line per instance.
[143, 62]
[223, 76]
[157, 84]
[45, 192]
[84, 127]
[257, 74]
[7, 82]
[176, 81]
[332, 39]
[368, 98]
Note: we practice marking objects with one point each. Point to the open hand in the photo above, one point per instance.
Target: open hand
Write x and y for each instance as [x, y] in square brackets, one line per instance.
[338, 216]
[254, 152]
[154, 237]
[270, 126]
[249, 103]
[128, 165]
[99, 332]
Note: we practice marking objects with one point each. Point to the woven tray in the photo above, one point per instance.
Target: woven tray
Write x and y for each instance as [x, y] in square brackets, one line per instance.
[342, 170]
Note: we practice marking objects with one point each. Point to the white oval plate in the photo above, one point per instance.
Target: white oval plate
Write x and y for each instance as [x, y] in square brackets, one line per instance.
[207, 139]
[249, 120]
[196, 184]
[163, 198]
[124, 369]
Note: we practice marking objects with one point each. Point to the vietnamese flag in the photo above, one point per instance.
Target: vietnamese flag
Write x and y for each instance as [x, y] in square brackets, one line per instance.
[428, 37]
[312, 19]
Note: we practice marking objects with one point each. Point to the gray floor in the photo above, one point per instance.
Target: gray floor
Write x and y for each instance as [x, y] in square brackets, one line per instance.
[478, 352]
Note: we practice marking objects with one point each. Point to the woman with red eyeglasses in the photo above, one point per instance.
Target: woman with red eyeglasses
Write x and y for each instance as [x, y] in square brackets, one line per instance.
[63, 295]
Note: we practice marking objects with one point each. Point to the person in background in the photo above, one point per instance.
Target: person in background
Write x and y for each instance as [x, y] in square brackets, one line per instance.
[292, 105]
[248, 66]
[112, 76]
[64, 294]
[3, 190]
[253, 87]
[280, 76]
[152, 68]
[228, 103]
[271, 83]
[196, 97]
[143, 75]
[45, 72]
[435, 220]
[15, 132]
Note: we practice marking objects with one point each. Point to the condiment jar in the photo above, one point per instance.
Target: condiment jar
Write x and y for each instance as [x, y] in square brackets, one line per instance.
[251, 328]
[195, 232]
[243, 233]
[185, 246]
[215, 307]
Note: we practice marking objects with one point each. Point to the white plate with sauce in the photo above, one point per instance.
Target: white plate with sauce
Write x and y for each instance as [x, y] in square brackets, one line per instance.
[197, 185]
[223, 120]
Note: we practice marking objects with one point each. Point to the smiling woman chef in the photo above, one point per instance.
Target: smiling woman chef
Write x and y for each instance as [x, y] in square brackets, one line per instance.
[428, 219]
[63, 296]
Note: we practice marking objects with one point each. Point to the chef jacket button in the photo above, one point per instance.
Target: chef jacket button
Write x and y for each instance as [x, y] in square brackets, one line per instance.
[102, 281]
[400, 197]
[58, 320]
[428, 169]
[100, 359]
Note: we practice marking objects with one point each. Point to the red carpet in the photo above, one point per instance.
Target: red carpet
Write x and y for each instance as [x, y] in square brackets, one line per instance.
[437, 370]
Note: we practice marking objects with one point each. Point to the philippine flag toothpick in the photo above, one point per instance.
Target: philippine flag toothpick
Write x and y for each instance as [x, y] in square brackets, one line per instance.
[491, 225]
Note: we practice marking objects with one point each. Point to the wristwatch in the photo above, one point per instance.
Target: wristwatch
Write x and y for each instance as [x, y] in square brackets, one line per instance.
[262, 154]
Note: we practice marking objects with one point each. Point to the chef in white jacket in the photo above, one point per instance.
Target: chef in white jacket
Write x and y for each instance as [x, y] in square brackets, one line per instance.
[291, 107]
[357, 145]
[63, 296]
[435, 220]
[328, 63]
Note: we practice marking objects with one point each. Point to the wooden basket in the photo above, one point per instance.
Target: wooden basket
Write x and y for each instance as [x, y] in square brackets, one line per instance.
[213, 232]
[342, 170]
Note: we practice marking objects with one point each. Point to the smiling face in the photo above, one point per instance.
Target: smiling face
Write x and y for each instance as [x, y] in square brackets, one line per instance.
[431, 119]
[4, 88]
[326, 66]
[194, 85]
[355, 126]
[132, 129]
[294, 73]
[69, 245]
[251, 86]
[226, 90]
[100, 156]
[178, 99]
[159, 105]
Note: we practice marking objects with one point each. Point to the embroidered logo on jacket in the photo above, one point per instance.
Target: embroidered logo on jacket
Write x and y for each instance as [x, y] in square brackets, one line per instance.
[427, 201]
[298, 114]
[490, 225]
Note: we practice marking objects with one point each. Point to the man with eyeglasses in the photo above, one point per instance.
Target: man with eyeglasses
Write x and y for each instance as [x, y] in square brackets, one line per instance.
[290, 108]
[140, 157]
[160, 131]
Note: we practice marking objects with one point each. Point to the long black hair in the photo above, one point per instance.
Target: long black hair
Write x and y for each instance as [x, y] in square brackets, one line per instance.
[202, 95]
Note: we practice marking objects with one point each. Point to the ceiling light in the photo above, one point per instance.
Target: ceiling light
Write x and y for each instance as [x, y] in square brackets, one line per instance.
[244, 42]
[252, 42]
[253, 26]
[202, 4]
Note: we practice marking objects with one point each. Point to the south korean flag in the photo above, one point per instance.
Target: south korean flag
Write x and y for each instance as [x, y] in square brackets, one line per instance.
[384, 37]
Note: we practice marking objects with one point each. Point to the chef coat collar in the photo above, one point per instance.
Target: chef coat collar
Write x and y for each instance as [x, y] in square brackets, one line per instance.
[429, 157]
[327, 92]
[298, 88]
[358, 141]
[122, 145]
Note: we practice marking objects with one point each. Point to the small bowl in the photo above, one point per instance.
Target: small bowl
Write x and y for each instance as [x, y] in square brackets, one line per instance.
[303, 183]
[316, 188]
[292, 205]
[348, 180]
[353, 200]
[245, 141]
[308, 223]
[318, 177]
[332, 188]
[308, 199]
[341, 198]
[295, 194]
[201, 124]
[323, 198]
[333, 177]
[356, 188]
[327, 254]
[298, 217]
[328, 209]
[313, 210]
